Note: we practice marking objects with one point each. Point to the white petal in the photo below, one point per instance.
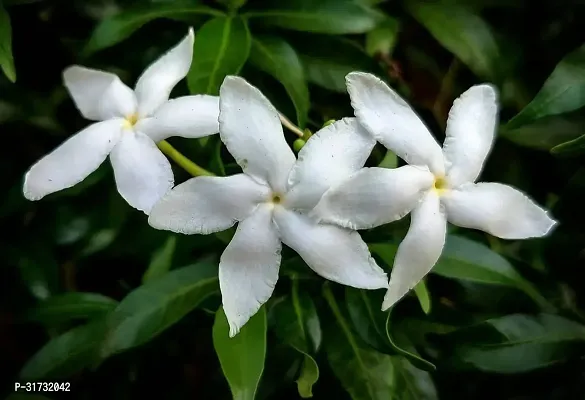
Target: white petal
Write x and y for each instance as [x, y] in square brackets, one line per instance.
[392, 122]
[497, 209]
[250, 128]
[335, 253]
[188, 116]
[374, 196]
[207, 204]
[143, 174]
[470, 133]
[73, 160]
[156, 83]
[330, 156]
[99, 95]
[248, 268]
[420, 249]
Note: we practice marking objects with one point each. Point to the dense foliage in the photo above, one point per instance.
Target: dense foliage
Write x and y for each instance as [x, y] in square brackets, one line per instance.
[94, 296]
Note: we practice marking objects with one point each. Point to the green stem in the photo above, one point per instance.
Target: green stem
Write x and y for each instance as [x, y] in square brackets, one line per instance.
[183, 161]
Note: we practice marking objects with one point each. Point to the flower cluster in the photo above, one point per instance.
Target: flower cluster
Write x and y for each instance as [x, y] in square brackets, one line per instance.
[314, 203]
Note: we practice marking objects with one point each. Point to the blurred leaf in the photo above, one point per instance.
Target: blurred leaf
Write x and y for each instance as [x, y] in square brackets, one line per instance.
[161, 261]
[118, 27]
[241, 357]
[370, 323]
[383, 38]
[158, 304]
[297, 324]
[66, 354]
[69, 306]
[323, 16]
[547, 132]
[221, 48]
[39, 270]
[563, 91]
[464, 33]
[277, 58]
[232, 4]
[390, 160]
[471, 261]
[517, 343]
[367, 374]
[6, 59]
[424, 298]
[572, 147]
[328, 59]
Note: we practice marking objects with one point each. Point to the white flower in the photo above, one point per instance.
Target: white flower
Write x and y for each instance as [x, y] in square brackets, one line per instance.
[131, 122]
[269, 200]
[438, 185]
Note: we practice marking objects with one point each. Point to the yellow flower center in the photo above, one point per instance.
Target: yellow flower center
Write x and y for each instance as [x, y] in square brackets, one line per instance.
[130, 121]
[440, 184]
[276, 198]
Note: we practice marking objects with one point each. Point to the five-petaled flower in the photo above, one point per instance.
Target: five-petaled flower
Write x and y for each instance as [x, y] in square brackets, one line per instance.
[270, 200]
[438, 185]
[131, 122]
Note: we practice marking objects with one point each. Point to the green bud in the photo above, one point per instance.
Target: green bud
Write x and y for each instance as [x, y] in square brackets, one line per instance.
[298, 144]
[327, 123]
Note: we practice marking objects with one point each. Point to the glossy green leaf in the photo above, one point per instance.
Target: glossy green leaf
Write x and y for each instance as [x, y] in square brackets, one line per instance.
[155, 306]
[572, 147]
[547, 132]
[161, 261]
[517, 343]
[324, 16]
[463, 32]
[241, 357]
[277, 58]
[368, 374]
[221, 48]
[66, 354]
[328, 59]
[115, 29]
[424, 298]
[563, 91]
[70, 306]
[383, 39]
[471, 261]
[6, 59]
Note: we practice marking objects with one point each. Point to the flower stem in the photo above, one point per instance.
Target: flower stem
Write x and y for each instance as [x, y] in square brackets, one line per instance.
[183, 161]
[290, 126]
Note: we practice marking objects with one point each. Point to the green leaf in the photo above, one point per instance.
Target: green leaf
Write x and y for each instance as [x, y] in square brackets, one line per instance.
[471, 261]
[221, 48]
[464, 33]
[115, 29]
[328, 59]
[367, 374]
[277, 58]
[424, 298]
[6, 59]
[155, 306]
[161, 261]
[547, 132]
[563, 91]
[370, 323]
[297, 324]
[241, 357]
[517, 343]
[390, 160]
[65, 354]
[69, 306]
[382, 40]
[232, 4]
[324, 16]
[575, 146]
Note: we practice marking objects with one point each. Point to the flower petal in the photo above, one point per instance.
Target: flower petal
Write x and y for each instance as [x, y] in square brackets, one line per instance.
[207, 204]
[99, 95]
[374, 196]
[335, 253]
[156, 83]
[330, 156]
[143, 174]
[392, 122]
[188, 116]
[470, 133]
[420, 249]
[248, 268]
[73, 160]
[497, 209]
[250, 128]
